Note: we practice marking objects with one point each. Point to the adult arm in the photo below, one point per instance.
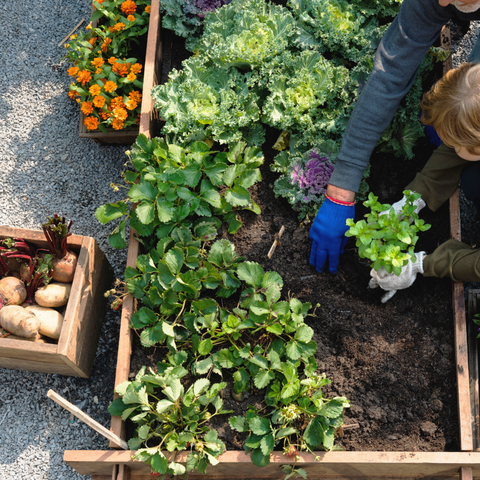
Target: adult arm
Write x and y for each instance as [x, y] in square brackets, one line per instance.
[398, 57]
[439, 178]
[453, 259]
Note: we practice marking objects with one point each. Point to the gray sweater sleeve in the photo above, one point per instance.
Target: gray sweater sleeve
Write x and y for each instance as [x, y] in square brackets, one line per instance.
[398, 57]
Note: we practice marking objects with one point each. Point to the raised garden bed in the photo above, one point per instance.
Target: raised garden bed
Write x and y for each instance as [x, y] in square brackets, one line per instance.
[75, 351]
[411, 329]
[152, 72]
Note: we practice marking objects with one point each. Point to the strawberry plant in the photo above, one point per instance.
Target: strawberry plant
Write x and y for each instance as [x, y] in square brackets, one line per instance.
[172, 185]
[385, 238]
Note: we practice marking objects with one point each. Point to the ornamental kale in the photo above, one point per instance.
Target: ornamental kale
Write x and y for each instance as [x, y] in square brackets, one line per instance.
[185, 17]
[314, 177]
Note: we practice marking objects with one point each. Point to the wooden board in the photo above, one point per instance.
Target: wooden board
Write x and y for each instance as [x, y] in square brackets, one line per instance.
[152, 67]
[331, 464]
[473, 364]
[75, 352]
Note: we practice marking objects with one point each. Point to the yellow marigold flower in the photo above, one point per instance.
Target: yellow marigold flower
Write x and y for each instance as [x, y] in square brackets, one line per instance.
[83, 76]
[131, 77]
[72, 71]
[99, 101]
[128, 7]
[117, 102]
[135, 96]
[73, 37]
[91, 123]
[136, 68]
[110, 86]
[89, 26]
[78, 100]
[66, 45]
[87, 108]
[131, 18]
[94, 90]
[105, 44]
[148, 8]
[119, 26]
[131, 104]
[112, 60]
[117, 124]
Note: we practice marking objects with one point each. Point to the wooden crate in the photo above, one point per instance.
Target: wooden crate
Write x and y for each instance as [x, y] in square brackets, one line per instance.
[152, 69]
[75, 351]
[118, 465]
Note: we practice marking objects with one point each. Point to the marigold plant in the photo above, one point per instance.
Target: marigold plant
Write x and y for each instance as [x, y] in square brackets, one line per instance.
[107, 84]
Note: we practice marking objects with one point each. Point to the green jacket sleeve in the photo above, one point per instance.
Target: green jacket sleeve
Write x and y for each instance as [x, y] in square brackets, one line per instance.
[453, 259]
[439, 178]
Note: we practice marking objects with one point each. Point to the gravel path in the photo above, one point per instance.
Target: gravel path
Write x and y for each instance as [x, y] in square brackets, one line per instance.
[47, 169]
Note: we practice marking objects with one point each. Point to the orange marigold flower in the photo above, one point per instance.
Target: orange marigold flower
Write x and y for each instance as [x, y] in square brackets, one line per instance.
[138, 120]
[111, 29]
[89, 26]
[87, 108]
[94, 90]
[72, 94]
[131, 77]
[121, 68]
[104, 115]
[120, 113]
[98, 1]
[135, 96]
[99, 101]
[91, 123]
[72, 71]
[117, 102]
[83, 76]
[117, 124]
[128, 7]
[131, 18]
[66, 45]
[112, 60]
[105, 44]
[110, 86]
[136, 68]
[78, 100]
[131, 104]
[92, 41]
[119, 26]
[148, 8]
[98, 62]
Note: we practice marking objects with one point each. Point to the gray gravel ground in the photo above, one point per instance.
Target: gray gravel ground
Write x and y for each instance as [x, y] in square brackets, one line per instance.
[45, 169]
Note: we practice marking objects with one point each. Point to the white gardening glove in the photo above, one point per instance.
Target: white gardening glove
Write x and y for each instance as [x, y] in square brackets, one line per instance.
[397, 206]
[391, 282]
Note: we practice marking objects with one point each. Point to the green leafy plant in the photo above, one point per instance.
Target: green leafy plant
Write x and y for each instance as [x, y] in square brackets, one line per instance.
[173, 185]
[385, 238]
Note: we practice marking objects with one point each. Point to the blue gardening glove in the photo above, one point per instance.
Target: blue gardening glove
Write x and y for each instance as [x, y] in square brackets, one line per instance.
[328, 234]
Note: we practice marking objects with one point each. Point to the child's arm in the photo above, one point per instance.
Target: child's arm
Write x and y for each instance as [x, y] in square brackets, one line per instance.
[439, 178]
[453, 259]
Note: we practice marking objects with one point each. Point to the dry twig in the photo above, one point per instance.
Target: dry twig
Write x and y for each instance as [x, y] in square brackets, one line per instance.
[71, 33]
[276, 242]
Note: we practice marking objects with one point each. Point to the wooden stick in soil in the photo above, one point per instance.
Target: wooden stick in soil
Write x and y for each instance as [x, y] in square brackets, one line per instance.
[86, 419]
[278, 236]
[71, 33]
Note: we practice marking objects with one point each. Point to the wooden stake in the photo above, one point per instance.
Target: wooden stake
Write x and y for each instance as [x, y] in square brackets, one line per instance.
[278, 236]
[86, 419]
[71, 33]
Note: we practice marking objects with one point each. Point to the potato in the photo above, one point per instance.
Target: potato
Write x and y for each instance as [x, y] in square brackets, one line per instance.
[50, 320]
[13, 290]
[54, 295]
[19, 321]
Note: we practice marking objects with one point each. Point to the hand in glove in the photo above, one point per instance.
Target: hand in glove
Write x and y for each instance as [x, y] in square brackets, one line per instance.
[397, 206]
[328, 234]
[391, 282]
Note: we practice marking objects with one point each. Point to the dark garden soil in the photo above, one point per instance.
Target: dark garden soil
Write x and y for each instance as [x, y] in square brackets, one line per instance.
[394, 361]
